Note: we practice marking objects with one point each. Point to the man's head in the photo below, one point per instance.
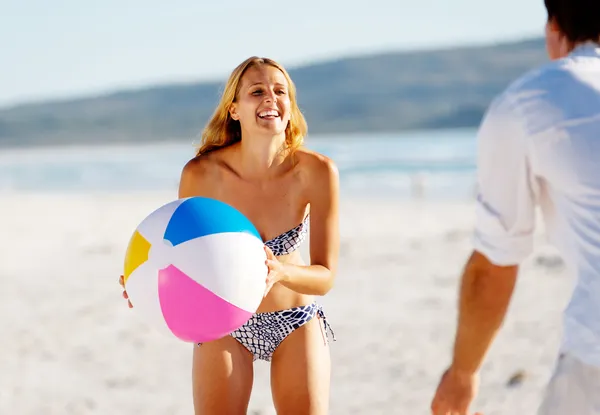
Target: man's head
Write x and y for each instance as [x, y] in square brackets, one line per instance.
[570, 23]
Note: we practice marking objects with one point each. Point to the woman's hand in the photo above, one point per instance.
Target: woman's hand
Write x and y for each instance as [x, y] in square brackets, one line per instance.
[125, 296]
[277, 270]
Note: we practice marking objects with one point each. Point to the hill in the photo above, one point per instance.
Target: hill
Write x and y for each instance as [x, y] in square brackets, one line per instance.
[382, 92]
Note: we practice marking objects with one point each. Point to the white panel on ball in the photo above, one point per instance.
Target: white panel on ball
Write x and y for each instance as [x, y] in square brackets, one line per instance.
[230, 264]
[142, 289]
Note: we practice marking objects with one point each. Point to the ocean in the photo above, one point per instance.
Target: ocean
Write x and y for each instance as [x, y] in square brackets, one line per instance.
[429, 164]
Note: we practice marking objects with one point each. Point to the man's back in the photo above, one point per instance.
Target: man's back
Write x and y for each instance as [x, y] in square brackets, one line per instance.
[564, 126]
[544, 132]
[538, 145]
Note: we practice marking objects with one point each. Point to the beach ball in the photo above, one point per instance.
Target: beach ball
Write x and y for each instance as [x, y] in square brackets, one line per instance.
[195, 268]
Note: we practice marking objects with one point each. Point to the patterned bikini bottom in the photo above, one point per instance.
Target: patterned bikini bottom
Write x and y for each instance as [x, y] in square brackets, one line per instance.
[264, 332]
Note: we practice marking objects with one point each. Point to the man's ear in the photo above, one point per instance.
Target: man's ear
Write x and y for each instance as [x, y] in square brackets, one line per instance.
[553, 25]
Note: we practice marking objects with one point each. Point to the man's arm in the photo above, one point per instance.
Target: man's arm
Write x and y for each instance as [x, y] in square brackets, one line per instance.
[503, 237]
[504, 226]
[485, 293]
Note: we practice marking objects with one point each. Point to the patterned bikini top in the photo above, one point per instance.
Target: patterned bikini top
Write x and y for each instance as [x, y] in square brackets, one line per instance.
[289, 241]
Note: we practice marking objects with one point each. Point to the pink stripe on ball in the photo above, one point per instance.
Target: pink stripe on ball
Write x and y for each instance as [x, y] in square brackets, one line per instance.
[193, 313]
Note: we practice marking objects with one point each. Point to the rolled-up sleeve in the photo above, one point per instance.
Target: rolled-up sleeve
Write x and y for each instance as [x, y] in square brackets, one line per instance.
[506, 194]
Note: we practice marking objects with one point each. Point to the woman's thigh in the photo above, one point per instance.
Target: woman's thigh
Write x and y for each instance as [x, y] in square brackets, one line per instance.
[222, 376]
[300, 371]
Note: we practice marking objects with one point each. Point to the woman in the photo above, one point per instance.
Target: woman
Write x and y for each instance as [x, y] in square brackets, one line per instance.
[251, 157]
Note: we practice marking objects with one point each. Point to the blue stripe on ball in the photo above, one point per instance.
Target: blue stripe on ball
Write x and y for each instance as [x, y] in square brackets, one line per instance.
[201, 216]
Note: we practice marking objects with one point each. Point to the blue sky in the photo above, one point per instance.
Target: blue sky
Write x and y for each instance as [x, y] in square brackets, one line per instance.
[63, 48]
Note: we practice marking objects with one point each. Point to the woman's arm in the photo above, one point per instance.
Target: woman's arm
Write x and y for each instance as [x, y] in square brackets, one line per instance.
[318, 277]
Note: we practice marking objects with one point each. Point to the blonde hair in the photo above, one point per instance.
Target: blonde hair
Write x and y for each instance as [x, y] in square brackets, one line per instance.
[222, 130]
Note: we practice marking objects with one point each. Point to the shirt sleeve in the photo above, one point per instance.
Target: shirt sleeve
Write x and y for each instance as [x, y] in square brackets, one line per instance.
[506, 195]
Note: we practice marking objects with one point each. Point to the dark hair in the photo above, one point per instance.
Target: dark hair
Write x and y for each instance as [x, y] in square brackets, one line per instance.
[579, 20]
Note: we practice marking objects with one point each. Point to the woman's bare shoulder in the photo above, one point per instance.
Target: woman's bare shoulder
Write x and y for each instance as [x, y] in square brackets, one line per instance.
[201, 173]
[316, 165]
[206, 164]
[319, 173]
[199, 166]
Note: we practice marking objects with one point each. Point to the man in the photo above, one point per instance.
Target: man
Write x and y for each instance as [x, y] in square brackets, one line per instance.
[539, 144]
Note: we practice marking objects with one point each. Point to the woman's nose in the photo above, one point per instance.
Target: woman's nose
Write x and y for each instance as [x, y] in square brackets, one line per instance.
[271, 96]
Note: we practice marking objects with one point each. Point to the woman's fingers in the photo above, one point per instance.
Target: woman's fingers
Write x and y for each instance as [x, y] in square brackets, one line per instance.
[125, 295]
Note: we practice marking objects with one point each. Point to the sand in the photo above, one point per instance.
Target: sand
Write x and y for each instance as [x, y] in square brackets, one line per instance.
[70, 345]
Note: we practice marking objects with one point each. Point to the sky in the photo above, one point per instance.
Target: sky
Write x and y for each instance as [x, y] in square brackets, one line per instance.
[67, 48]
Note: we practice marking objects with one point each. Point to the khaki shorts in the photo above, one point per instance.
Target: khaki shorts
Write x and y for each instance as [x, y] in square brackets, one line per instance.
[574, 389]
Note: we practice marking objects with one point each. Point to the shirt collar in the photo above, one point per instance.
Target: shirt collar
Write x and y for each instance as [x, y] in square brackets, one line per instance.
[586, 49]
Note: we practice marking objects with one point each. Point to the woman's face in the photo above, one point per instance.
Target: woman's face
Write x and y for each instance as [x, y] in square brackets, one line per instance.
[263, 103]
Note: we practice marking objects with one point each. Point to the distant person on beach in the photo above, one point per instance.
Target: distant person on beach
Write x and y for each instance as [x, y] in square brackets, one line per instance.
[252, 158]
[539, 145]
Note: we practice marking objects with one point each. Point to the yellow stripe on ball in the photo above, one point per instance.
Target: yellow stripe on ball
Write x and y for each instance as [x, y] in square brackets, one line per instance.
[136, 255]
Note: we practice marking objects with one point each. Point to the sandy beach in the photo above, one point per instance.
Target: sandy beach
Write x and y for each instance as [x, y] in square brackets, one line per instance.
[70, 345]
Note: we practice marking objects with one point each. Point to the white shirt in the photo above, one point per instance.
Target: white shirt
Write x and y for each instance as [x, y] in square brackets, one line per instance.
[539, 145]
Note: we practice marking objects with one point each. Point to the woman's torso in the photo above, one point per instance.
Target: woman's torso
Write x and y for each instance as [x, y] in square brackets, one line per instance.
[277, 207]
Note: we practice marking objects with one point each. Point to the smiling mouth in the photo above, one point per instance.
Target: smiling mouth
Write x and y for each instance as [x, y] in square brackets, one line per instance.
[268, 114]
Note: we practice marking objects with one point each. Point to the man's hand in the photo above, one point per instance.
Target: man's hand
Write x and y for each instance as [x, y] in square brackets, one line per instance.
[455, 393]
[485, 293]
